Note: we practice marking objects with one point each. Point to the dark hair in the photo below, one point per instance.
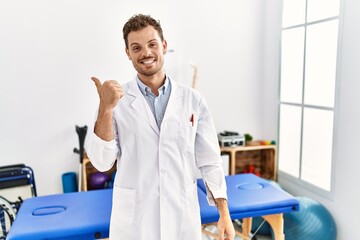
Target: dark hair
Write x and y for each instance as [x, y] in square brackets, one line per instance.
[138, 22]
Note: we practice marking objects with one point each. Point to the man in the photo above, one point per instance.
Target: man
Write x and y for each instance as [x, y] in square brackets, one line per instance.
[160, 132]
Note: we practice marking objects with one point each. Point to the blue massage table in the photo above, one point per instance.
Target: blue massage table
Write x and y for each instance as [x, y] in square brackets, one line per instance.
[71, 216]
[86, 215]
[249, 196]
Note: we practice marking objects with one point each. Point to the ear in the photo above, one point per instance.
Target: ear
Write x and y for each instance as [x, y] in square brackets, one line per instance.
[127, 53]
[164, 43]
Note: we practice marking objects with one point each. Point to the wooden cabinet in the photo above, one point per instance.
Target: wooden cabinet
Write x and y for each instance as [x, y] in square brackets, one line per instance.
[258, 159]
[88, 169]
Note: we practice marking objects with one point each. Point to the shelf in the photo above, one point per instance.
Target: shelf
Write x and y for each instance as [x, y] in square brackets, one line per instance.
[258, 159]
[88, 169]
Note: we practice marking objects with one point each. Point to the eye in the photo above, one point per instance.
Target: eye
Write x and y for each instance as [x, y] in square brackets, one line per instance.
[153, 44]
[136, 48]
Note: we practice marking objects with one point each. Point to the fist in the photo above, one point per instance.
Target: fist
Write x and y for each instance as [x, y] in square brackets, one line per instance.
[109, 92]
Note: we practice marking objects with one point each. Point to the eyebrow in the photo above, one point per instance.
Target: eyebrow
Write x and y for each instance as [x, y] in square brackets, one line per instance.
[135, 43]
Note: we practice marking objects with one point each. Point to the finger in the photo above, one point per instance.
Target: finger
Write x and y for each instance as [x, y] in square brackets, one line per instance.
[113, 82]
[97, 83]
[221, 235]
[230, 236]
[115, 85]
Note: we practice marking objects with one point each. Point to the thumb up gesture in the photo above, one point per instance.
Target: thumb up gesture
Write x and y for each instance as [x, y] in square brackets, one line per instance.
[109, 92]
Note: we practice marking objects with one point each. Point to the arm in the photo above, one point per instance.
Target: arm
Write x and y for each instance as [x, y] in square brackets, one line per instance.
[102, 149]
[110, 92]
[225, 226]
[210, 163]
[104, 124]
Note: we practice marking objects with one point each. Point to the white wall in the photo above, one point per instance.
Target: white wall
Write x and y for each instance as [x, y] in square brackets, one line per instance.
[224, 40]
[344, 204]
[271, 69]
[49, 50]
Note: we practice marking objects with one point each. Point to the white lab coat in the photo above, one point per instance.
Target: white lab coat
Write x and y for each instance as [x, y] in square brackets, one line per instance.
[155, 191]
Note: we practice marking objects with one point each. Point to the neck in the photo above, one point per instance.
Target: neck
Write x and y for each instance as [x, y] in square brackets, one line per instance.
[154, 82]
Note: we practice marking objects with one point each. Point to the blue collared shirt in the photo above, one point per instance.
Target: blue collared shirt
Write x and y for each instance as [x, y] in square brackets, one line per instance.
[157, 104]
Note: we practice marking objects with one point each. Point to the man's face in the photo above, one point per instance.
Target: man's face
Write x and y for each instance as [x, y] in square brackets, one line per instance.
[146, 51]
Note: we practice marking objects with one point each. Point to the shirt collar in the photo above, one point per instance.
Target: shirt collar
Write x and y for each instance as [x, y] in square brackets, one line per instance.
[146, 90]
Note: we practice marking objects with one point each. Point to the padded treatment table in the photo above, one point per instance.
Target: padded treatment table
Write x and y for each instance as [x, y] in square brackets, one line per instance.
[79, 215]
[249, 196]
[86, 215]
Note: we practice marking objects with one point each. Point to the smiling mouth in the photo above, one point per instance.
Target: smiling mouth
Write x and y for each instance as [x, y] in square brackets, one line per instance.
[148, 61]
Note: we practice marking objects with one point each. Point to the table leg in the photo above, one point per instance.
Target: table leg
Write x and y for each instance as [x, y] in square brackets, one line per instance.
[246, 227]
[232, 162]
[276, 222]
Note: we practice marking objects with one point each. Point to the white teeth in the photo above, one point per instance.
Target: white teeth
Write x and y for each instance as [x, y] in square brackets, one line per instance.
[148, 61]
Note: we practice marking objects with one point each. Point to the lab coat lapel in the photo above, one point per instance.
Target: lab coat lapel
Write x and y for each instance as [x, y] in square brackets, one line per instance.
[175, 100]
[141, 106]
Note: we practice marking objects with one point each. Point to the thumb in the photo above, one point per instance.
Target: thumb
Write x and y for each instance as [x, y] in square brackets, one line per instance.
[97, 83]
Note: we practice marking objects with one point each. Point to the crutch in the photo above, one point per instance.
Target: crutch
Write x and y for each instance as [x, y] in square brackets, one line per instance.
[81, 131]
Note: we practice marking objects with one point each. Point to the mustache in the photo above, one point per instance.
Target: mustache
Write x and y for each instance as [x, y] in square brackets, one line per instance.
[147, 58]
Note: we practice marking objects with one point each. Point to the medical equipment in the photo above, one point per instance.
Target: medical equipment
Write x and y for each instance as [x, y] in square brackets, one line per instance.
[231, 139]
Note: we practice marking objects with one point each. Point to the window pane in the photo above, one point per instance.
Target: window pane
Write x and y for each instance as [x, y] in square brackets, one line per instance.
[320, 9]
[289, 139]
[292, 58]
[317, 147]
[320, 67]
[293, 12]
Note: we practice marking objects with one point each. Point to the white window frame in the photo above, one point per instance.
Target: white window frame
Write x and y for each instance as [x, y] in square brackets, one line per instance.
[283, 175]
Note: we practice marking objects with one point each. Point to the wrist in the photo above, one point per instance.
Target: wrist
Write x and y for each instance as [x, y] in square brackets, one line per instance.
[105, 109]
[222, 206]
[104, 123]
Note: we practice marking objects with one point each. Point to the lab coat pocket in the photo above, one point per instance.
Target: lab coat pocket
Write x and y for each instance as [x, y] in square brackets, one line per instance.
[123, 205]
[187, 134]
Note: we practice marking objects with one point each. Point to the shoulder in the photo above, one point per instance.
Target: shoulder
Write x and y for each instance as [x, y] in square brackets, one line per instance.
[186, 90]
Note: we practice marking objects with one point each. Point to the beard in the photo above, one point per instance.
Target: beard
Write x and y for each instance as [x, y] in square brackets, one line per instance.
[148, 72]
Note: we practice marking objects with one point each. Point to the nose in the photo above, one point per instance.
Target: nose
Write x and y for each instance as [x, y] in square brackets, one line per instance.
[147, 52]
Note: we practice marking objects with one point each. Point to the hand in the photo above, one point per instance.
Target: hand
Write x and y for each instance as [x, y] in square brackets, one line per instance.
[226, 229]
[109, 92]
